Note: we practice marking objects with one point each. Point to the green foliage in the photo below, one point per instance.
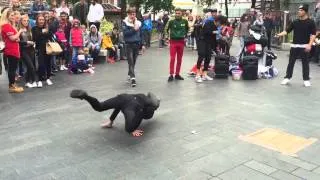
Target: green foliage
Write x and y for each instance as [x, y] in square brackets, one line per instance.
[157, 5]
[106, 26]
[286, 3]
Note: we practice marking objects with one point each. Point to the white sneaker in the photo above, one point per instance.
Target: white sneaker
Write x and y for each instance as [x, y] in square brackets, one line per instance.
[285, 81]
[34, 85]
[62, 68]
[307, 83]
[198, 79]
[207, 78]
[29, 85]
[39, 84]
[49, 82]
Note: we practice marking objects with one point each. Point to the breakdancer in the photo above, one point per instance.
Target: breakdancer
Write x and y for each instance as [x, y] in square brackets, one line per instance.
[135, 107]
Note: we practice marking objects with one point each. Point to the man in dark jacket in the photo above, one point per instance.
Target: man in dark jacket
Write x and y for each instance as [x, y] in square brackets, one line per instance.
[80, 11]
[135, 107]
[268, 24]
[133, 38]
[38, 7]
[160, 29]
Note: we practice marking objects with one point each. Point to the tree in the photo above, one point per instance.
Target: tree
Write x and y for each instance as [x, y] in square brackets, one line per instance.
[157, 5]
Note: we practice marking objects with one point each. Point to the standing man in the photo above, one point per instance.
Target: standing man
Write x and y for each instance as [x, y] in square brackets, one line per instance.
[95, 14]
[304, 31]
[38, 7]
[176, 30]
[80, 11]
[147, 29]
[16, 6]
[132, 36]
[268, 24]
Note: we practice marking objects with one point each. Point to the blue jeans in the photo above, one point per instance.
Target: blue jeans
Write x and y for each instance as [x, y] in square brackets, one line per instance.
[95, 52]
[75, 55]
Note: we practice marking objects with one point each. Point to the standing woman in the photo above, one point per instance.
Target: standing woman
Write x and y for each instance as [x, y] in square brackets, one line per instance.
[10, 36]
[190, 35]
[243, 30]
[197, 29]
[27, 52]
[41, 36]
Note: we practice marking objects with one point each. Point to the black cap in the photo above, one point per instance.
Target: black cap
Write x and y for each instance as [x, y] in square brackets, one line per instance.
[304, 7]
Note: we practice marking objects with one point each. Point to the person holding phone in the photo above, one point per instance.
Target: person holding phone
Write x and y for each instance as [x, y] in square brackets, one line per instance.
[41, 35]
[27, 52]
[133, 38]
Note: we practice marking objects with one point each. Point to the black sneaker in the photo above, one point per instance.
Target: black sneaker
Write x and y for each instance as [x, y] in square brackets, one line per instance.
[79, 94]
[178, 77]
[133, 83]
[170, 79]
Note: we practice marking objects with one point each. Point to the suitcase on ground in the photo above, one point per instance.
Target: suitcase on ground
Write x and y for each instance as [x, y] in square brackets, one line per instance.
[221, 68]
[250, 67]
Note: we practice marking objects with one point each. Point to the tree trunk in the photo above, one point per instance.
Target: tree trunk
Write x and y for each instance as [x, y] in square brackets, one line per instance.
[253, 4]
[226, 7]
[276, 4]
[123, 6]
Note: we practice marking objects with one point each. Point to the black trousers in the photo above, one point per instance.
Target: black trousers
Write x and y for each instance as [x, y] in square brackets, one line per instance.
[44, 60]
[28, 60]
[113, 54]
[97, 24]
[132, 55]
[12, 68]
[298, 53]
[269, 39]
[5, 62]
[204, 53]
[133, 112]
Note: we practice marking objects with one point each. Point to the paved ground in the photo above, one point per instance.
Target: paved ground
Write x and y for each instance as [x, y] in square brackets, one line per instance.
[46, 135]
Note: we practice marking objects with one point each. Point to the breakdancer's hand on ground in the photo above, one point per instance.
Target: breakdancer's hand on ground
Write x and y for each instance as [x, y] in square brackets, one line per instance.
[107, 124]
[137, 133]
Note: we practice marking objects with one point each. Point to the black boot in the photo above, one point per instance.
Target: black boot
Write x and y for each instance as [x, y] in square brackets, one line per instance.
[79, 94]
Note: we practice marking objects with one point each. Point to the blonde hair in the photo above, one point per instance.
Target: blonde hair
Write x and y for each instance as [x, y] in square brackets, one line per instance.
[4, 17]
[22, 26]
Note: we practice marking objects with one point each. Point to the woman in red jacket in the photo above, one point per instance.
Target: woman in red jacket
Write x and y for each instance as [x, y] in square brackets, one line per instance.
[11, 39]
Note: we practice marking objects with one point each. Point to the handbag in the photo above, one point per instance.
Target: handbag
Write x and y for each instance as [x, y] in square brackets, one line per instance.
[53, 48]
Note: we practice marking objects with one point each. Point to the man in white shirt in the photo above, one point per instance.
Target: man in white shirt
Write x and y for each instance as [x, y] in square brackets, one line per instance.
[95, 14]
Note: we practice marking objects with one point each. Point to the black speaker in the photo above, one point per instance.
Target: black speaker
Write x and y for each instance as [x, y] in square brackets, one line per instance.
[250, 67]
[221, 68]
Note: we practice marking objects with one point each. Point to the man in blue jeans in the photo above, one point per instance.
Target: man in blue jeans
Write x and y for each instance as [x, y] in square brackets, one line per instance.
[133, 38]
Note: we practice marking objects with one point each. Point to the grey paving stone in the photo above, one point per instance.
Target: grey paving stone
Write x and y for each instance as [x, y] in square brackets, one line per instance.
[298, 162]
[197, 175]
[306, 174]
[217, 163]
[284, 175]
[317, 170]
[263, 168]
[244, 173]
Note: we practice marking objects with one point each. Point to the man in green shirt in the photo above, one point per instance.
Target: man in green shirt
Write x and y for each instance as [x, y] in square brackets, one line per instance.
[176, 30]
